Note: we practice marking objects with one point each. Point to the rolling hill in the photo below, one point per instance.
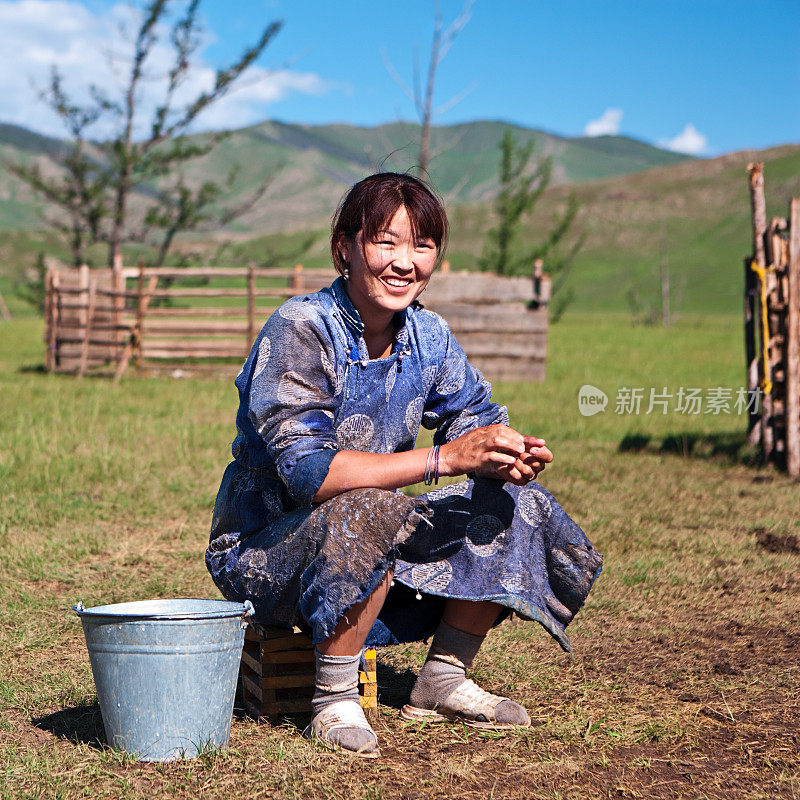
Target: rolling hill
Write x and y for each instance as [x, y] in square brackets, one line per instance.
[692, 216]
[640, 207]
[312, 165]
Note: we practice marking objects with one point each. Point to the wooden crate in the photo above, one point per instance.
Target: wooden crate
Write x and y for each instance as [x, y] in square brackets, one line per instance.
[278, 670]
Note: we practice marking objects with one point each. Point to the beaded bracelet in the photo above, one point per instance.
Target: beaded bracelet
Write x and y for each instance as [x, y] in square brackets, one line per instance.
[432, 466]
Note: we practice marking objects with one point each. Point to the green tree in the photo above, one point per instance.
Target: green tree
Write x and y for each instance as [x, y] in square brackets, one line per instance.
[76, 197]
[521, 186]
[93, 193]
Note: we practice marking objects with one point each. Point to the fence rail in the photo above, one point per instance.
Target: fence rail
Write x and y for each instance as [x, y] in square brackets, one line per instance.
[101, 320]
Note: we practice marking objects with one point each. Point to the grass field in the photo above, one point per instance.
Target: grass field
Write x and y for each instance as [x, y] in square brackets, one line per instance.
[685, 677]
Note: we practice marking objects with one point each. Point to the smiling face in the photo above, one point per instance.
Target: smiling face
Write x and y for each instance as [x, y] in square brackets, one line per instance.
[388, 272]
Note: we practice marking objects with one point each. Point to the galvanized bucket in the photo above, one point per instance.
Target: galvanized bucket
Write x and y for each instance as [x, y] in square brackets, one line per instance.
[165, 673]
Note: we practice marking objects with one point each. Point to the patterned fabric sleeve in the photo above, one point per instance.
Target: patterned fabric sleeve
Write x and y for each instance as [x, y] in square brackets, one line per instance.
[294, 394]
[460, 399]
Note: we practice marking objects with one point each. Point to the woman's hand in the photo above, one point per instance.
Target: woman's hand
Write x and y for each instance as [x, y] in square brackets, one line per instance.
[527, 467]
[536, 457]
[495, 451]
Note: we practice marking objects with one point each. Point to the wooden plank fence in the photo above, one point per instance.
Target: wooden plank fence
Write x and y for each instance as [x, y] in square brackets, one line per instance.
[99, 321]
[772, 329]
[500, 322]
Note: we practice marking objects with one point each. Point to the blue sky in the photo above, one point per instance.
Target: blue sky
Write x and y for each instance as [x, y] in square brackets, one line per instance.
[706, 76]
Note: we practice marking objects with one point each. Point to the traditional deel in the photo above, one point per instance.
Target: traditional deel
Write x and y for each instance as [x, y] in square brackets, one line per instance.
[309, 389]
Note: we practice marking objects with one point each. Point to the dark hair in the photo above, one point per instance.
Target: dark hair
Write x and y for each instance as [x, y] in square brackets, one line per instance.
[372, 202]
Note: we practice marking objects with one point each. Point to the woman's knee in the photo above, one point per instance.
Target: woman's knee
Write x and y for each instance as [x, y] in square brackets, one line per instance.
[531, 500]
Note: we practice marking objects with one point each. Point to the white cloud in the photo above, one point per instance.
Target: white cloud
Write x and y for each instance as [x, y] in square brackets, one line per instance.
[689, 141]
[605, 125]
[91, 48]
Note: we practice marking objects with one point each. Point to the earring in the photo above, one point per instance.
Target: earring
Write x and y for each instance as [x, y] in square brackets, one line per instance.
[346, 273]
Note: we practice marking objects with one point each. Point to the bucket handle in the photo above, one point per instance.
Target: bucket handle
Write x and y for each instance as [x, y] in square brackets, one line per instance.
[248, 610]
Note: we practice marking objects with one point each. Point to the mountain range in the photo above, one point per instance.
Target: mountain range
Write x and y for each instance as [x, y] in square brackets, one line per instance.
[311, 165]
[643, 211]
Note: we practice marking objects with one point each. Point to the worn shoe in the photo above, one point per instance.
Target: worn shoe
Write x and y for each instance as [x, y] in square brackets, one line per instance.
[343, 726]
[474, 707]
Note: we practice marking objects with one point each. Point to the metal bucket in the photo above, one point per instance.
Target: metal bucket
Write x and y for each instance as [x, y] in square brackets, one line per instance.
[165, 673]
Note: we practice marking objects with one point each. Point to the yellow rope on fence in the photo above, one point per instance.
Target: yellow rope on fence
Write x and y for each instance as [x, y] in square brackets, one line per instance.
[766, 383]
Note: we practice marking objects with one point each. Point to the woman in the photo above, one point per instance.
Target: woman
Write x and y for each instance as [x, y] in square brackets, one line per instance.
[308, 525]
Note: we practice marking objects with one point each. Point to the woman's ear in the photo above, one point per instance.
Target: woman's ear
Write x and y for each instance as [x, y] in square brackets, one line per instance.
[343, 248]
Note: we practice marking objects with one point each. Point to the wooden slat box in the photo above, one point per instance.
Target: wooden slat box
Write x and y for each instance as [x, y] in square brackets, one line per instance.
[278, 670]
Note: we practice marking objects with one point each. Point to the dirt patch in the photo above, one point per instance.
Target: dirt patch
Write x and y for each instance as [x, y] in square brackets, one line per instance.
[776, 542]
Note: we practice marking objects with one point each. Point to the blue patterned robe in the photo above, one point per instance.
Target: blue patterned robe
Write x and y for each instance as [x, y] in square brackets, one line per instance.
[309, 389]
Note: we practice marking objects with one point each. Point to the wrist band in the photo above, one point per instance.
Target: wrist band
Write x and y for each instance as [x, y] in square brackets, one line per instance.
[432, 466]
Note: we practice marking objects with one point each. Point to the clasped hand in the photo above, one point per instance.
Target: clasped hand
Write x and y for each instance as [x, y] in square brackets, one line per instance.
[495, 451]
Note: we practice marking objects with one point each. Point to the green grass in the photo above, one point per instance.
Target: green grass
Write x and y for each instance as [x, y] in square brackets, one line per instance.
[685, 673]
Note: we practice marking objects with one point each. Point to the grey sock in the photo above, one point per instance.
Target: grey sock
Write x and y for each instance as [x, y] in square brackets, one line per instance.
[337, 679]
[452, 653]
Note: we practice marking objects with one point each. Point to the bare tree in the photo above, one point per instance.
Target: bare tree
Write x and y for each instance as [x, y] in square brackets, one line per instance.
[441, 43]
[96, 189]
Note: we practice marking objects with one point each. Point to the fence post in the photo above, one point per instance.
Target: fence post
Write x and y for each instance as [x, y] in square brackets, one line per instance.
[251, 304]
[751, 312]
[48, 319]
[84, 360]
[759, 208]
[793, 345]
[536, 276]
[83, 285]
[139, 333]
[118, 301]
[297, 279]
[83, 301]
[55, 317]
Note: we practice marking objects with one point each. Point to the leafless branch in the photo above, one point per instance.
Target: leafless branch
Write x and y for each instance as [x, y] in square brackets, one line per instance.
[231, 214]
[455, 100]
[441, 43]
[458, 25]
[395, 75]
[462, 182]
[449, 144]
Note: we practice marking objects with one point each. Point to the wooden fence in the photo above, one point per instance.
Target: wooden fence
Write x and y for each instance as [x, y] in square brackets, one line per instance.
[500, 322]
[772, 329]
[99, 321]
